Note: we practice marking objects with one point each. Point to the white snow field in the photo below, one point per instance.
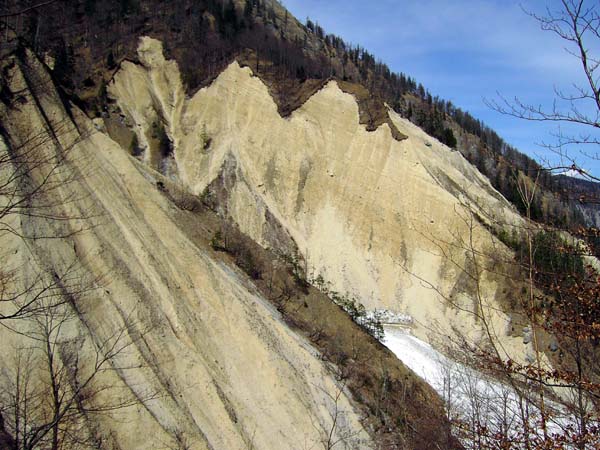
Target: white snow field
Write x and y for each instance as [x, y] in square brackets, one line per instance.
[471, 397]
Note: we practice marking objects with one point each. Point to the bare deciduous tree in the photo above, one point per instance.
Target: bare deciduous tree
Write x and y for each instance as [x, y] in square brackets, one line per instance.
[337, 434]
[63, 372]
[38, 185]
[542, 405]
[61, 379]
[577, 23]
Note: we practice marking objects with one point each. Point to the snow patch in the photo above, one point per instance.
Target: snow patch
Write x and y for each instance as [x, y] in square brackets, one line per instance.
[387, 317]
[470, 396]
[580, 174]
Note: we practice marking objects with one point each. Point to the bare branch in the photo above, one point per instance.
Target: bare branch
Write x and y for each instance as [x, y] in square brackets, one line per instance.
[26, 10]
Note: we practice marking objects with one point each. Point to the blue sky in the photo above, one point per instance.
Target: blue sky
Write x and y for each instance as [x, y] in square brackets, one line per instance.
[465, 51]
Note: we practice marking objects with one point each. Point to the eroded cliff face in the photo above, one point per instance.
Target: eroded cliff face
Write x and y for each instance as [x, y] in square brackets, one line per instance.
[226, 371]
[399, 225]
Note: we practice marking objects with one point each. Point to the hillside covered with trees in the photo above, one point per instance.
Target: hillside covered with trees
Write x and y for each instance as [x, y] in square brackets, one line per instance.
[87, 39]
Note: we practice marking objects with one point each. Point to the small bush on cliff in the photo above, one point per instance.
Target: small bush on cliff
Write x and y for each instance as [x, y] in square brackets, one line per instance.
[371, 322]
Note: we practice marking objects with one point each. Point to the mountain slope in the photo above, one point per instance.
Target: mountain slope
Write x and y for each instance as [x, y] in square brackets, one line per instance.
[186, 161]
[367, 214]
[88, 39]
[212, 343]
[209, 359]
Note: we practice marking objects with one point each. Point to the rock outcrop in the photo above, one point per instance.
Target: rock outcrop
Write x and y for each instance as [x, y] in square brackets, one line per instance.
[379, 219]
[208, 361]
[222, 368]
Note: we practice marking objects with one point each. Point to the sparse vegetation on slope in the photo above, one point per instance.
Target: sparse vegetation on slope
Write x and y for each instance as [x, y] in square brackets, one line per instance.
[399, 409]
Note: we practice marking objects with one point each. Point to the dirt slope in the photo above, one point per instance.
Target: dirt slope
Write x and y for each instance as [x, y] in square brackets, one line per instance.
[227, 371]
[378, 219]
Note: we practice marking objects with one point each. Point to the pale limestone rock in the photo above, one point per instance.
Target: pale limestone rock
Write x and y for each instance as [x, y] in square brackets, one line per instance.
[229, 373]
[377, 218]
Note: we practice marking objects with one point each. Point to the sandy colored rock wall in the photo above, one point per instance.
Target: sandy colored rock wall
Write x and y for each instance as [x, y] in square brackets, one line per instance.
[382, 220]
[226, 371]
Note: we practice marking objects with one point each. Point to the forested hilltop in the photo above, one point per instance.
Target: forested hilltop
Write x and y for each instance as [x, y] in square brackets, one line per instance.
[88, 38]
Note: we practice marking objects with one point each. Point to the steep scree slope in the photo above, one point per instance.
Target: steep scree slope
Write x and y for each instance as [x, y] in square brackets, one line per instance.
[228, 373]
[378, 219]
